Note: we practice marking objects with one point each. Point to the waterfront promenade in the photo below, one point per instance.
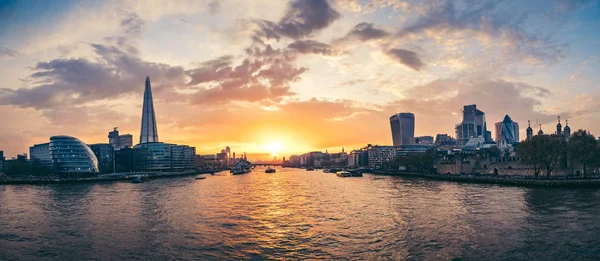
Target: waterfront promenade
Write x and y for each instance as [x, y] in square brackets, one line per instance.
[513, 180]
[99, 178]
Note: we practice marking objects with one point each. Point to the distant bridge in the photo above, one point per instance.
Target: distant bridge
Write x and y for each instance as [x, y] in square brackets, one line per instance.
[265, 164]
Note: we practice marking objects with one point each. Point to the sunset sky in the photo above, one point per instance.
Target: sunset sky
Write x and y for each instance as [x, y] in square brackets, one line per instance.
[291, 76]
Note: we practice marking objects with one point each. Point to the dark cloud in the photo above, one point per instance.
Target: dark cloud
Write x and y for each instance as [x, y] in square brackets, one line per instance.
[265, 75]
[133, 24]
[310, 46]
[366, 31]
[5, 52]
[406, 57]
[302, 18]
[71, 82]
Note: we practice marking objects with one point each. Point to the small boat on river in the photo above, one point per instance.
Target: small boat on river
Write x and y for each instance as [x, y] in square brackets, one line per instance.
[344, 174]
[270, 170]
[201, 177]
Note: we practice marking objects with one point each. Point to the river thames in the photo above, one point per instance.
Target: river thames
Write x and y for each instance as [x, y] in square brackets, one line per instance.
[297, 214]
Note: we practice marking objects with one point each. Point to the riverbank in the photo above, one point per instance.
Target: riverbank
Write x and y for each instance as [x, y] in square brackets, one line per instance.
[561, 182]
[99, 178]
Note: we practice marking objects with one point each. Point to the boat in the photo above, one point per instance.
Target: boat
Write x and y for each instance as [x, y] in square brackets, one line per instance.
[326, 170]
[270, 170]
[356, 173]
[242, 167]
[310, 169]
[343, 174]
[201, 177]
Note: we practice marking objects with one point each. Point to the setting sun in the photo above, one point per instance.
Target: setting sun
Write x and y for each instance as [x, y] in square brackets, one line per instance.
[274, 148]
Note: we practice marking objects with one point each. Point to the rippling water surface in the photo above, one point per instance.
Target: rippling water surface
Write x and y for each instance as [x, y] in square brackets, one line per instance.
[297, 214]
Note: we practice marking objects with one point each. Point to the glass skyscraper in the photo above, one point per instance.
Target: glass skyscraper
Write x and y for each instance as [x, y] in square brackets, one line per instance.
[403, 128]
[148, 133]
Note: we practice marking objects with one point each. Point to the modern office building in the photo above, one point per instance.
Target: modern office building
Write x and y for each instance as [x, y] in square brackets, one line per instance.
[409, 149]
[39, 155]
[119, 141]
[70, 155]
[125, 141]
[163, 157]
[380, 156]
[507, 131]
[105, 154]
[148, 133]
[124, 159]
[472, 125]
[403, 128]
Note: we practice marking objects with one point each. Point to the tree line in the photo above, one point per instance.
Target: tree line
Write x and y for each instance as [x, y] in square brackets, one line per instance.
[547, 152]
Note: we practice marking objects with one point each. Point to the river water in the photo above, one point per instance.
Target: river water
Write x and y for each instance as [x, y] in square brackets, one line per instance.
[297, 214]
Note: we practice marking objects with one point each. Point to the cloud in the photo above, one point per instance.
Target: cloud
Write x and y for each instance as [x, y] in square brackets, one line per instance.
[442, 97]
[5, 52]
[352, 82]
[133, 24]
[314, 47]
[265, 75]
[406, 57]
[71, 82]
[302, 18]
[366, 31]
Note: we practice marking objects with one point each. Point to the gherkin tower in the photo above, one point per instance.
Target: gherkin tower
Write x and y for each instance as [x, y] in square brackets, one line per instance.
[149, 132]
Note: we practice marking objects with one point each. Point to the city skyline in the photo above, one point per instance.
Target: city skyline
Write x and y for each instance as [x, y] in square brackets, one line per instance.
[305, 76]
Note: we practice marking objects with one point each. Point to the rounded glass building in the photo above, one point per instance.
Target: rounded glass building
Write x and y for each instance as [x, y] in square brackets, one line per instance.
[70, 155]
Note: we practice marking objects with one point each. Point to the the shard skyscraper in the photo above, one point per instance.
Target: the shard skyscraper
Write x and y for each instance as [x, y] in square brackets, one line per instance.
[149, 132]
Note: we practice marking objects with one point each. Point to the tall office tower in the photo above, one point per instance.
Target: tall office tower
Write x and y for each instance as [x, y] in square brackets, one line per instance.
[472, 125]
[149, 132]
[403, 128]
[507, 131]
[113, 138]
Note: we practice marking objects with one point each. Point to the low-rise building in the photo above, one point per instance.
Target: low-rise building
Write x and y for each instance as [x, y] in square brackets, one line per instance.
[159, 156]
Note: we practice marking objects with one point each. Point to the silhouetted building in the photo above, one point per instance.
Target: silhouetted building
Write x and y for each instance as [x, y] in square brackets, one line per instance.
[423, 140]
[105, 154]
[567, 130]
[124, 160]
[443, 139]
[529, 130]
[70, 155]
[472, 125]
[558, 127]
[119, 141]
[39, 156]
[2, 161]
[148, 133]
[403, 128]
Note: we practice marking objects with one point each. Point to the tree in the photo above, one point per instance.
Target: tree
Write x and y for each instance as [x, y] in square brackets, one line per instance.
[542, 151]
[581, 147]
[494, 153]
